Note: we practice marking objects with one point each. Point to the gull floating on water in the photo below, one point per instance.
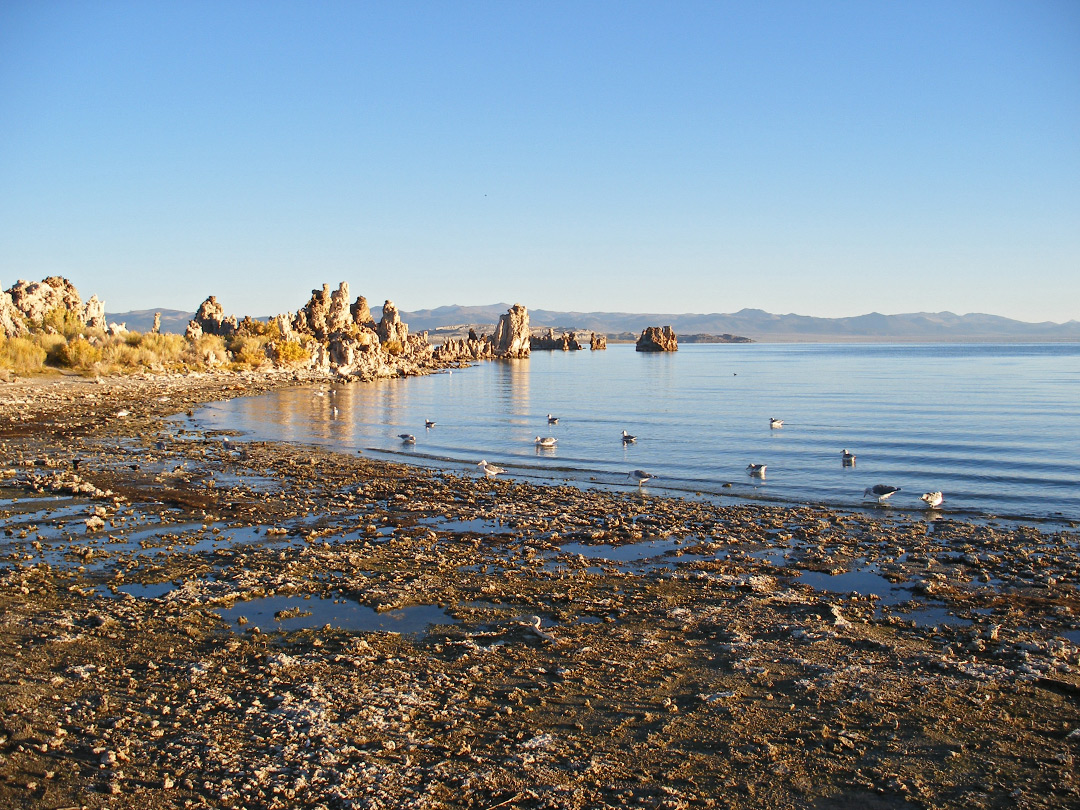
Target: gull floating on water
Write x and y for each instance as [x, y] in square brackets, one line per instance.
[933, 499]
[847, 459]
[880, 491]
[553, 420]
[490, 470]
[546, 441]
[429, 423]
[627, 438]
[756, 469]
[407, 438]
[776, 423]
[640, 476]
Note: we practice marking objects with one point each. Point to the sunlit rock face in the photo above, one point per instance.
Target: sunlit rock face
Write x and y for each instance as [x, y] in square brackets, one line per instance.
[655, 339]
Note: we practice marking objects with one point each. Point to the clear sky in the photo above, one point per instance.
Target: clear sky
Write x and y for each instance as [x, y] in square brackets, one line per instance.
[823, 158]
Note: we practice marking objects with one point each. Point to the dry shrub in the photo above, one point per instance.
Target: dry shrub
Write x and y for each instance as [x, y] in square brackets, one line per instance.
[55, 347]
[80, 354]
[168, 350]
[393, 347]
[21, 355]
[289, 353]
[62, 321]
[208, 350]
[248, 350]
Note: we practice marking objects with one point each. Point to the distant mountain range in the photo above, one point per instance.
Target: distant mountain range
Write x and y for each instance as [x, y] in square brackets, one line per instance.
[755, 324]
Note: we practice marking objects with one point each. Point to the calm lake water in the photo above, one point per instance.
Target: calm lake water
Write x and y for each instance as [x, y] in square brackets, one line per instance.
[995, 427]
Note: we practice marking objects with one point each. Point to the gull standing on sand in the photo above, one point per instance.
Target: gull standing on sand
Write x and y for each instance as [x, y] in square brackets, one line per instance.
[882, 492]
[627, 438]
[847, 459]
[933, 499]
[640, 476]
[776, 423]
[553, 420]
[546, 441]
[756, 469]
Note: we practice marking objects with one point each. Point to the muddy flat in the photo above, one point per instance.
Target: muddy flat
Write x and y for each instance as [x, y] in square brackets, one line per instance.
[192, 620]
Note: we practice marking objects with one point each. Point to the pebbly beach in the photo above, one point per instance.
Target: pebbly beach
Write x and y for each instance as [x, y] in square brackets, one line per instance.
[194, 620]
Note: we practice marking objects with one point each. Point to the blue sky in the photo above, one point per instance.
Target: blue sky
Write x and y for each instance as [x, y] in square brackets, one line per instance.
[824, 158]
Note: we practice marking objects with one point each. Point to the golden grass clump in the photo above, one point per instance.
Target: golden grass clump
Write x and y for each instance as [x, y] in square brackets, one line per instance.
[21, 355]
[289, 353]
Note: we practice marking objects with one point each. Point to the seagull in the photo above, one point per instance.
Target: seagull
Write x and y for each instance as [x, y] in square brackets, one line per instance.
[490, 470]
[933, 499]
[553, 420]
[640, 476]
[847, 459]
[334, 411]
[776, 423]
[407, 438]
[546, 441]
[756, 469]
[881, 491]
[429, 423]
[627, 438]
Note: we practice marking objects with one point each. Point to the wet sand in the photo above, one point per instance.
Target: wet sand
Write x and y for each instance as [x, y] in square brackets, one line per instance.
[189, 622]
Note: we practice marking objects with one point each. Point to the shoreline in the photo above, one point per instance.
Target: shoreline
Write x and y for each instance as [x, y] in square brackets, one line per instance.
[712, 675]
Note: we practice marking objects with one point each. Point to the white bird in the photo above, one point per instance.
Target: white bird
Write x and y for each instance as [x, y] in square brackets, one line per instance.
[776, 423]
[334, 411]
[847, 459]
[407, 438]
[546, 441]
[640, 476]
[553, 420]
[429, 423]
[933, 499]
[756, 469]
[490, 470]
[627, 438]
[880, 491]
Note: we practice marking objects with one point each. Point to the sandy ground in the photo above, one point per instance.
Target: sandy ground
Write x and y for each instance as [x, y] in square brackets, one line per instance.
[189, 622]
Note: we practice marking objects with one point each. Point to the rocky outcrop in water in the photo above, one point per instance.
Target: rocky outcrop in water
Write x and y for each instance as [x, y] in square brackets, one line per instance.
[549, 341]
[655, 339]
[598, 342]
[30, 301]
[511, 338]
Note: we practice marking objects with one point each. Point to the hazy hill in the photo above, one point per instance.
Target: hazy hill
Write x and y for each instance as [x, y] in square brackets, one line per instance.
[752, 323]
[764, 326]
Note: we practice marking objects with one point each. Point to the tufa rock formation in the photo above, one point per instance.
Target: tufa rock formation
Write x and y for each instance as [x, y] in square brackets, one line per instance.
[511, 338]
[655, 339]
[11, 320]
[30, 301]
[549, 341]
[211, 320]
[598, 342]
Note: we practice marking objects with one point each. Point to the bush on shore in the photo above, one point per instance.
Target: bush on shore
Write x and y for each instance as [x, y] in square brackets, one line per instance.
[56, 344]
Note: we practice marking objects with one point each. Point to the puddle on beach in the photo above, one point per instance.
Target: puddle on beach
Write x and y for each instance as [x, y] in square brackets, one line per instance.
[863, 582]
[632, 552]
[152, 591]
[890, 594]
[476, 526]
[300, 613]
